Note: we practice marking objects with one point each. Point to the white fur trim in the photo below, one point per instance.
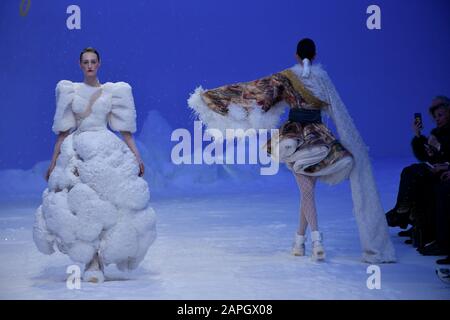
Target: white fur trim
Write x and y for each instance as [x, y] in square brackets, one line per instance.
[237, 116]
[369, 214]
[64, 118]
[123, 112]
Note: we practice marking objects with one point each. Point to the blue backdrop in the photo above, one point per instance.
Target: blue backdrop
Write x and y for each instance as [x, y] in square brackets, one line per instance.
[164, 49]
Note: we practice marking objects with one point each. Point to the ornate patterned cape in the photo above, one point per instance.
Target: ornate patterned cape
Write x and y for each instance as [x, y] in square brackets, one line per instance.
[259, 105]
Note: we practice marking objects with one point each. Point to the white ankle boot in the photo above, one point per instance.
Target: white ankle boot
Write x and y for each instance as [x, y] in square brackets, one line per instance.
[94, 271]
[318, 253]
[299, 245]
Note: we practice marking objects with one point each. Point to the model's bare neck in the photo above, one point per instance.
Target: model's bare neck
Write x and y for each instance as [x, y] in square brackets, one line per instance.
[92, 81]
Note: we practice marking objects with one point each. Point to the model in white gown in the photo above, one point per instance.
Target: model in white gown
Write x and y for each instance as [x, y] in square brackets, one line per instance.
[96, 204]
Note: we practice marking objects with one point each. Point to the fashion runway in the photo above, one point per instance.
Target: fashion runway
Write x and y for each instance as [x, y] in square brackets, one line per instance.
[231, 240]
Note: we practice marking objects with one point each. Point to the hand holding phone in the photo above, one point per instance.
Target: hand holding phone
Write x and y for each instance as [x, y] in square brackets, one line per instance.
[418, 124]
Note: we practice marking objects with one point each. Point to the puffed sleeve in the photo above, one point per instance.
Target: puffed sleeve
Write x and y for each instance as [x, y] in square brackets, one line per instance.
[64, 118]
[123, 113]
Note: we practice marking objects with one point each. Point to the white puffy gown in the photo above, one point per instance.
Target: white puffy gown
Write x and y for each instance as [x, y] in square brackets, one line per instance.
[95, 200]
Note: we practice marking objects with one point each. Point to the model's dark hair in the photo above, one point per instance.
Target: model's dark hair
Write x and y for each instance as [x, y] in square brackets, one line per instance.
[306, 48]
[89, 49]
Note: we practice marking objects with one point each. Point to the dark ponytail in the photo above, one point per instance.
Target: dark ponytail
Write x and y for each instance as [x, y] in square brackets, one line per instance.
[306, 49]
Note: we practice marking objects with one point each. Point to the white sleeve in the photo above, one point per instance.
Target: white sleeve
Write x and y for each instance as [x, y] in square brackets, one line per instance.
[64, 118]
[123, 113]
[373, 230]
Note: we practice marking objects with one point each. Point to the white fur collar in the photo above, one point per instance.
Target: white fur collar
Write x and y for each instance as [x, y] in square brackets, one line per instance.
[313, 81]
[316, 69]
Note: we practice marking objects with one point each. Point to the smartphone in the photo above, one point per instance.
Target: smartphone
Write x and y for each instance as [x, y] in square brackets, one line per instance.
[418, 119]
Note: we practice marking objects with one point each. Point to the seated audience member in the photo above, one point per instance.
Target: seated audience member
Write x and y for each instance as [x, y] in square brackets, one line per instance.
[441, 246]
[415, 200]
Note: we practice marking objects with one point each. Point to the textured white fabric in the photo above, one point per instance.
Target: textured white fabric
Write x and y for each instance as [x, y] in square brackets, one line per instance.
[237, 117]
[373, 230]
[95, 200]
[123, 114]
[64, 118]
[116, 100]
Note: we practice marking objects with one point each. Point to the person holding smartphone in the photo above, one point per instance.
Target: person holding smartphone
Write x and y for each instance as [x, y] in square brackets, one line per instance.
[414, 200]
[434, 150]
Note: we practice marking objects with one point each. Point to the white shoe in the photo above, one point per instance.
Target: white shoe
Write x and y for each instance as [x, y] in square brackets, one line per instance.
[94, 276]
[299, 245]
[94, 271]
[318, 252]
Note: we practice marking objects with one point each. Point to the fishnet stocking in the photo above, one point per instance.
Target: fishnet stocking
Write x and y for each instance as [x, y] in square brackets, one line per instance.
[308, 213]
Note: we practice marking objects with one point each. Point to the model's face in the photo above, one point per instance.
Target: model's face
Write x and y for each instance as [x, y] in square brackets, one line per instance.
[441, 116]
[89, 64]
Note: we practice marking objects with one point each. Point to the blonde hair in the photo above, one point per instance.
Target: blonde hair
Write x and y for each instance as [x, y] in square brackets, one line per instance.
[439, 102]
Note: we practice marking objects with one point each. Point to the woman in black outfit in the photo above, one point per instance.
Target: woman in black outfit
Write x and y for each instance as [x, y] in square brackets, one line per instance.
[416, 197]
